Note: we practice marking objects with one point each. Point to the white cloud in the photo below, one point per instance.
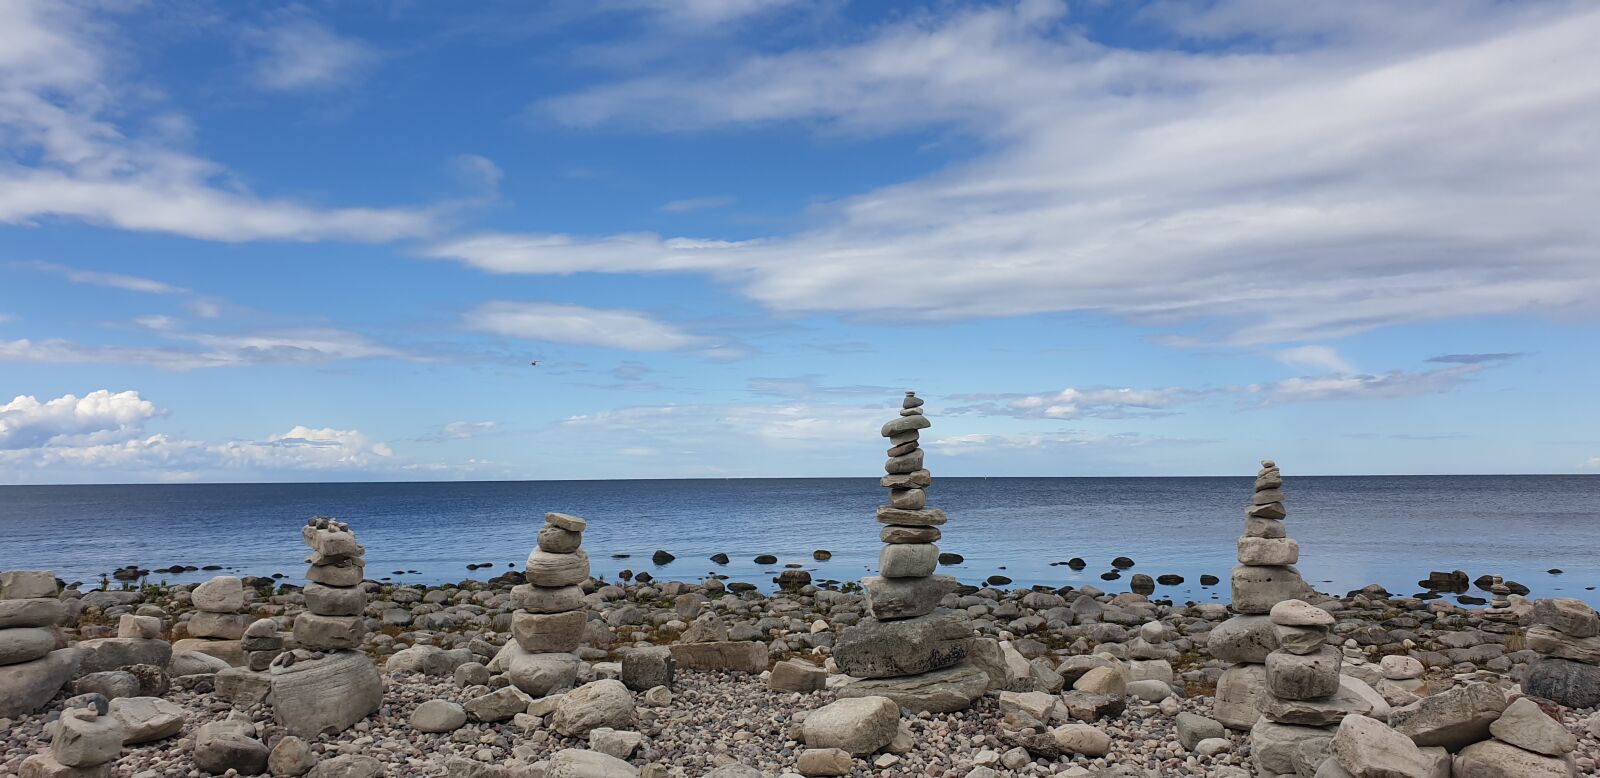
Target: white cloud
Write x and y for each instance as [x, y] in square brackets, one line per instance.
[577, 325]
[977, 443]
[691, 204]
[706, 13]
[301, 54]
[1594, 462]
[1324, 358]
[1390, 385]
[1375, 166]
[304, 346]
[26, 423]
[460, 430]
[112, 280]
[1073, 403]
[70, 120]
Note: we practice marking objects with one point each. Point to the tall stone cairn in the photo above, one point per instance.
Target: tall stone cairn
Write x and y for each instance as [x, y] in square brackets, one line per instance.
[1567, 633]
[32, 669]
[907, 635]
[1265, 576]
[326, 684]
[218, 621]
[549, 617]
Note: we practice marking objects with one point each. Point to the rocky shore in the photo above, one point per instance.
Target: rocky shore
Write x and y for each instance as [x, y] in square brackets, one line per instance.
[436, 643]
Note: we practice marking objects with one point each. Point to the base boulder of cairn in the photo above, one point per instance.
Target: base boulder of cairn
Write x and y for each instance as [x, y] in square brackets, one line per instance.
[909, 649]
[327, 685]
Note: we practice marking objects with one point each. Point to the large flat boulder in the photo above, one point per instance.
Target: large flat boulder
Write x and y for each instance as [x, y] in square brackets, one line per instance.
[26, 687]
[327, 695]
[743, 656]
[941, 691]
[890, 649]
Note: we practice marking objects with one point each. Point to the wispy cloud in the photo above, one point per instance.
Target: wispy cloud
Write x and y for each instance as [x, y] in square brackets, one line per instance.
[302, 346]
[581, 326]
[1324, 358]
[1475, 359]
[1073, 403]
[460, 430]
[112, 280]
[696, 204]
[300, 53]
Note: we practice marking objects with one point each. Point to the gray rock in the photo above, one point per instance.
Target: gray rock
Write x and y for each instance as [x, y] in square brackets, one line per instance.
[548, 633]
[1525, 725]
[230, 744]
[243, 686]
[147, 719]
[223, 594]
[1256, 589]
[440, 716]
[644, 669]
[1243, 639]
[27, 686]
[905, 424]
[541, 599]
[1555, 643]
[1366, 748]
[737, 655]
[334, 600]
[793, 675]
[1308, 677]
[579, 763]
[36, 612]
[1268, 551]
[566, 521]
[926, 517]
[329, 633]
[894, 533]
[838, 762]
[1494, 759]
[1193, 728]
[25, 644]
[291, 757]
[498, 705]
[326, 695]
[889, 649]
[27, 584]
[83, 738]
[555, 570]
[862, 725]
[110, 684]
[604, 703]
[1274, 746]
[940, 691]
[903, 598]
[348, 766]
[343, 573]
[1315, 713]
[134, 626]
[1569, 683]
[1239, 691]
[195, 663]
[1451, 719]
[116, 653]
[1570, 616]
[541, 674]
[908, 560]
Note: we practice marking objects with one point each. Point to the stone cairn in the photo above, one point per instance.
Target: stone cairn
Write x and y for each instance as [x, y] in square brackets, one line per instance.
[217, 624]
[32, 669]
[326, 684]
[1567, 633]
[87, 742]
[549, 617]
[1265, 576]
[908, 644]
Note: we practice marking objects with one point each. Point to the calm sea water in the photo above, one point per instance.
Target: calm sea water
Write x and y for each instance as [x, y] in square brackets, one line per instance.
[1352, 530]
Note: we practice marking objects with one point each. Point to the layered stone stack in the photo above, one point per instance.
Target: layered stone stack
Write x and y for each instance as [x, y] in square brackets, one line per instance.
[218, 620]
[326, 684]
[1567, 633]
[547, 625]
[1265, 576]
[1305, 696]
[32, 669]
[909, 649]
[87, 742]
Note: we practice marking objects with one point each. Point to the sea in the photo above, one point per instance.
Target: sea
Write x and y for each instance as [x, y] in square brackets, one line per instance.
[1540, 531]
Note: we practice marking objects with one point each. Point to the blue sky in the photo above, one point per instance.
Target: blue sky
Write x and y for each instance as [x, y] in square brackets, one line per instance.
[247, 242]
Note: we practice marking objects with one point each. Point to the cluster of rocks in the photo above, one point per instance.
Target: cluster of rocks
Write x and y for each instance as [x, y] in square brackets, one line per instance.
[1566, 634]
[33, 663]
[909, 649]
[218, 621]
[548, 622]
[1264, 577]
[87, 742]
[326, 684]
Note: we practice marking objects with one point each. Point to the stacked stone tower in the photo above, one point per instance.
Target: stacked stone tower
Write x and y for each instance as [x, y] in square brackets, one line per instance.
[908, 637]
[547, 625]
[327, 685]
[218, 620]
[1567, 633]
[1265, 576]
[32, 669]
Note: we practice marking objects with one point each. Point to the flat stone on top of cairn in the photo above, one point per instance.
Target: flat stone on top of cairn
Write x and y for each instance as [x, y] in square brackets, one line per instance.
[549, 617]
[908, 644]
[326, 684]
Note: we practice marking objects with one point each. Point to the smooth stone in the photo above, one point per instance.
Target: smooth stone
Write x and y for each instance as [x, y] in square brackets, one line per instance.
[27, 584]
[1400, 668]
[231, 652]
[1301, 640]
[347, 766]
[1258, 527]
[1268, 551]
[1367, 748]
[25, 644]
[740, 656]
[1552, 642]
[559, 541]
[34, 612]
[1318, 712]
[1452, 718]
[1193, 728]
[822, 762]
[147, 719]
[84, 738]
[116, 653]
[329, 633]
[1257, 589]
[134, 626]
[221, 626]
[1084, 739]
[543, 599]
[908, 499]
[45, 766]
[109, 684]
[548, 633]
[1243, 639]
[1239, 690]
[334, 600]
[605, 703]
[582, 763]
[1494, 759]
[1569, 683]
[499, 705]
[229, 744]
[438, 716]
[1273, 510]
[905, 424]
[541, 674]
[243, 686]
[908, 560]
[1299, 613]
[292, 756]
[940, 691]
[905, 463]
[346, 572]
[566, 521]
[223, 594]
[1275, 747]
[894, 533]
[1525, 725]
[926, 517]
[917, 480]
[1573, 617]
[327, 695]
[794, 675]
[1267, 497]
[1269, 481]
[1304, 677]
[555, 570]
[903, 598]
[901, 449]
[891, 649]
[644, 669]
[859, 725]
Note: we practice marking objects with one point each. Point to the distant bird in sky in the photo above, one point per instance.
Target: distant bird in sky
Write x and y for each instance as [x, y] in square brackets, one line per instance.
[534, 363]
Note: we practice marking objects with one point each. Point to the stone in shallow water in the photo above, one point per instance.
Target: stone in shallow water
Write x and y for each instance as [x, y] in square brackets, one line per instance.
[890, 649]
[902, 598]
[908, 560]
[941, 691]
[327, 695]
